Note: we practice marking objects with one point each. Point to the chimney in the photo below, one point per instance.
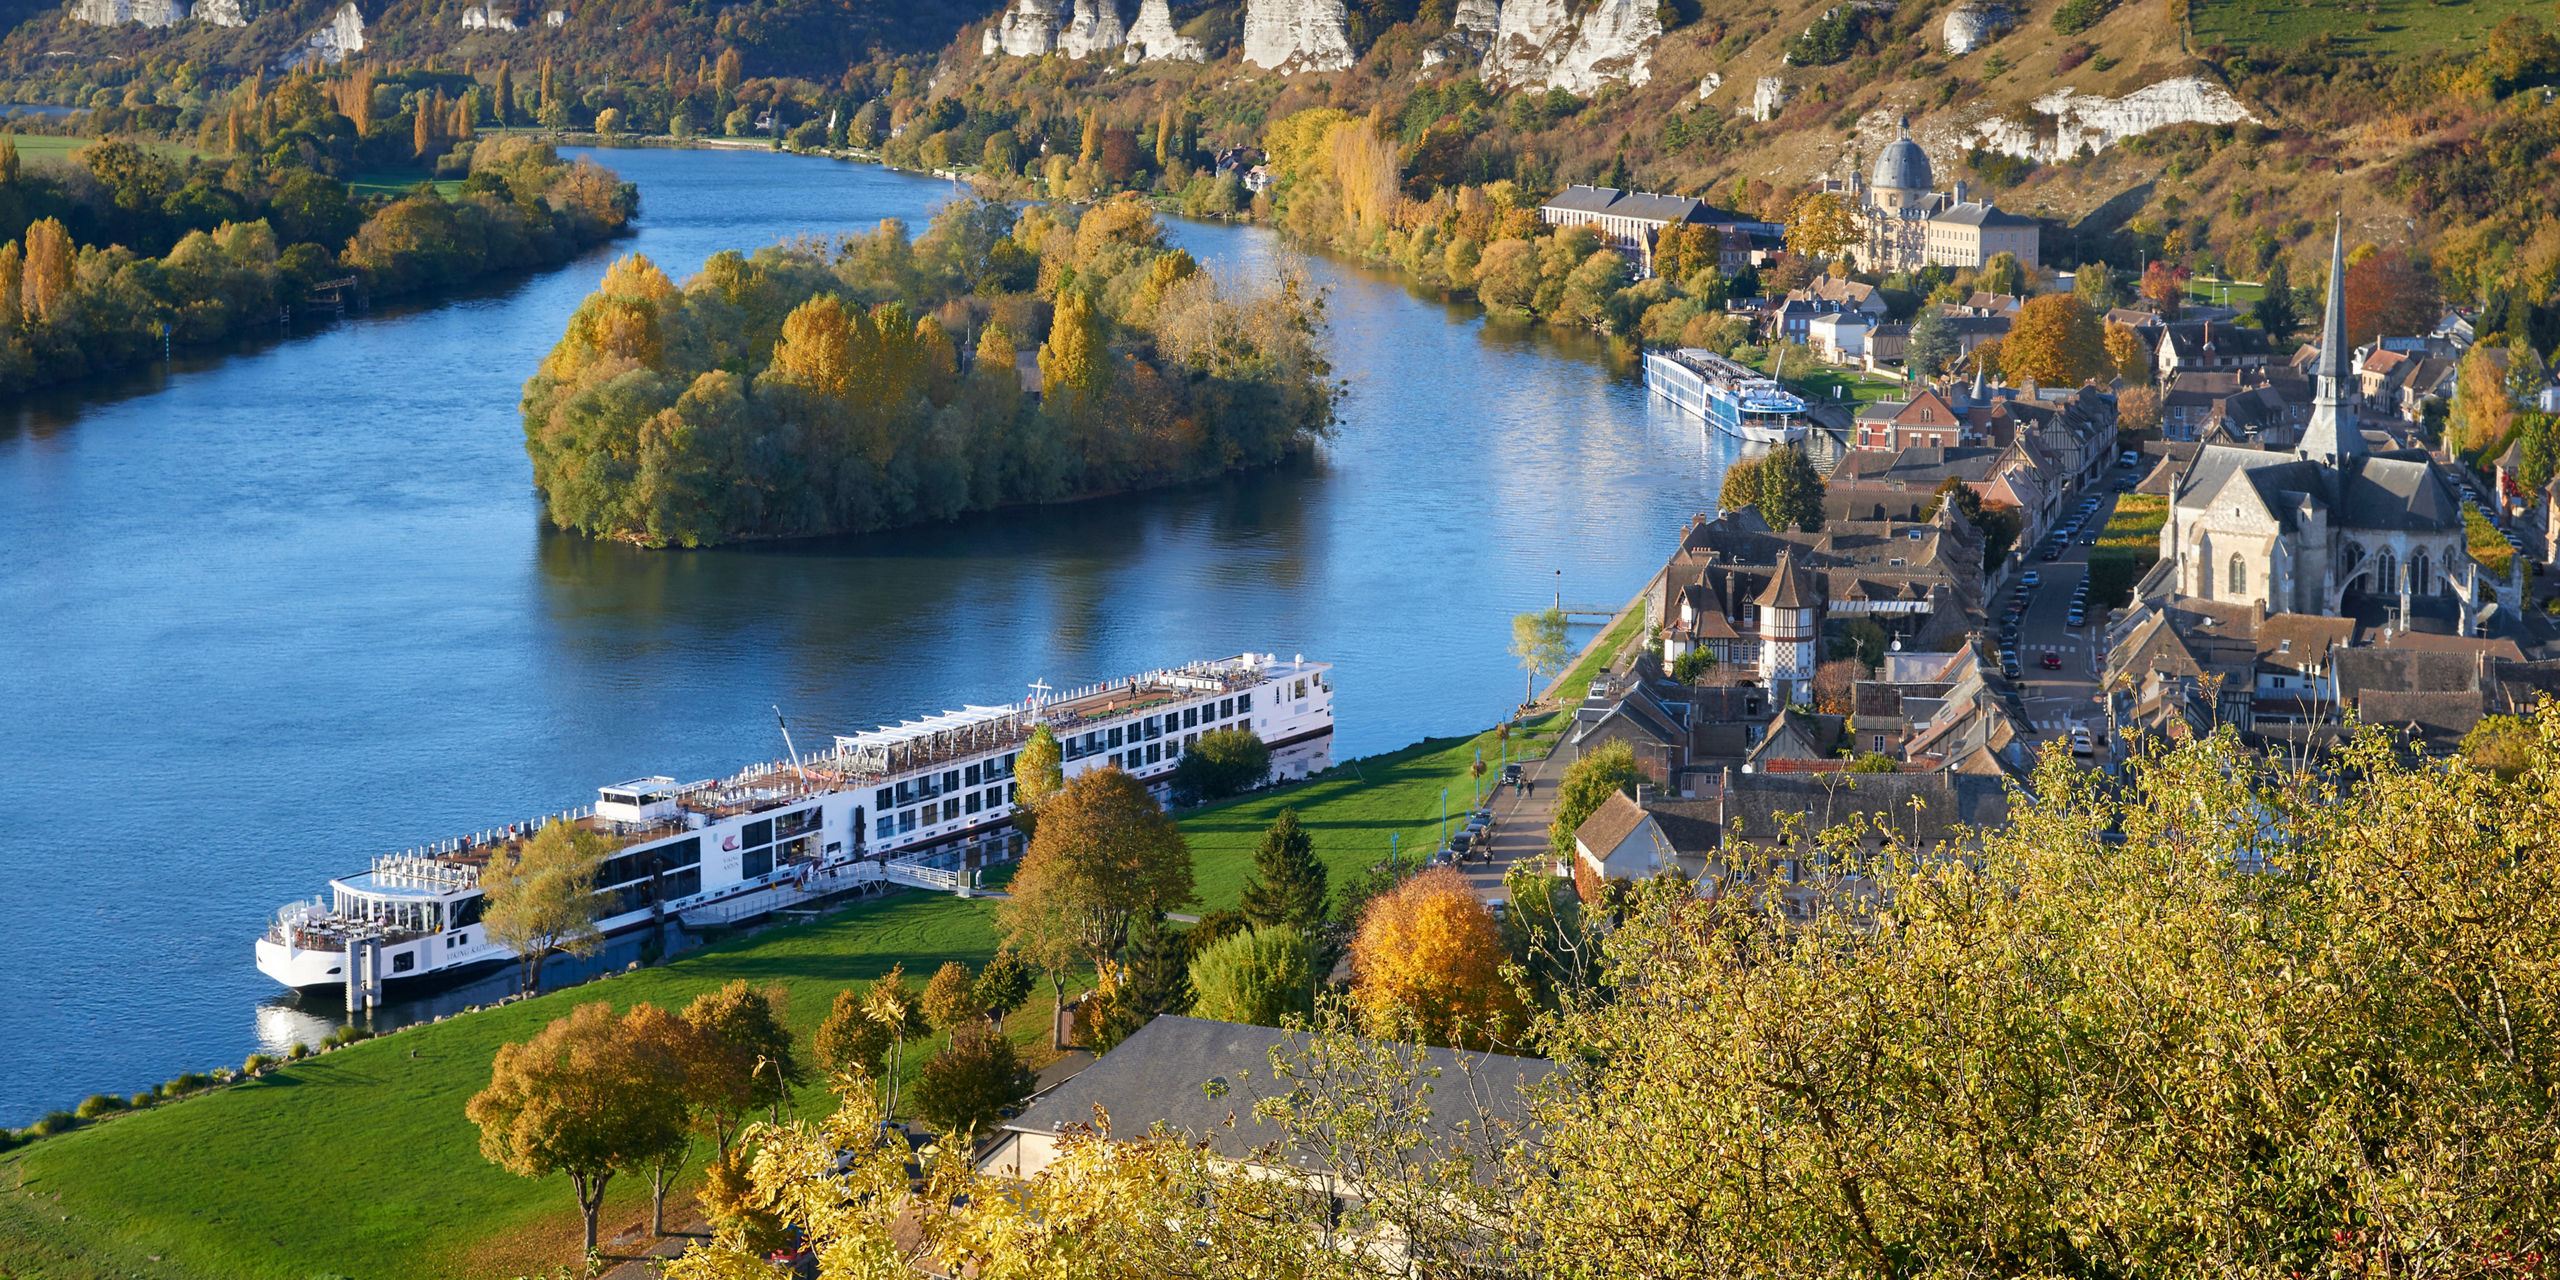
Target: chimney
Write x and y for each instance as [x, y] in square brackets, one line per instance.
[1959, 191]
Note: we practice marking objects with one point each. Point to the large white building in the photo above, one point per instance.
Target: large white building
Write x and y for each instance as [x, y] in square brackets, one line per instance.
[1909, 226]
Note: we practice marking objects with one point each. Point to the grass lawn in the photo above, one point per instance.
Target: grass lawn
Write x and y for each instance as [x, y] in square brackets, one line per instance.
[46, 147]
[1849, 386]
[359, 1163]
[2235, 293]
[2127, 547]
[2392, 26]
[397, 182]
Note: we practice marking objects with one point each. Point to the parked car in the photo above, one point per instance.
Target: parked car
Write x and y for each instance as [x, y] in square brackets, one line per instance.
[2077, 616]
[2052, 660]
[2029, 580]
[1512, 772]
[2130, 458]
[2052, 551]
[2009, 668]
[2080, 744]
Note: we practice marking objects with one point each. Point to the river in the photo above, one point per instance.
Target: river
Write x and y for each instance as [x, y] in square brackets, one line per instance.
[283, 607]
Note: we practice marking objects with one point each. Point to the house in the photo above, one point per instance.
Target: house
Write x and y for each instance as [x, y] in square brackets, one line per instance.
[1631, 221]
[1845, 295]
[1902, 484]
[1925, 421]
[1776, 830]
[1885, 345]
[1257, 179]
[1198, 1080]
[2208, 344]
[1630, 840]
[1729, 584]
[1838, 338]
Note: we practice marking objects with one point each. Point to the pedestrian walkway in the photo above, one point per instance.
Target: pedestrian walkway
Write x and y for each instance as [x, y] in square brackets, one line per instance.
[1519, 827]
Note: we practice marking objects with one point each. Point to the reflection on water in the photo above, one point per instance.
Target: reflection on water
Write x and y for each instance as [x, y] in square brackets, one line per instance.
[274, 612]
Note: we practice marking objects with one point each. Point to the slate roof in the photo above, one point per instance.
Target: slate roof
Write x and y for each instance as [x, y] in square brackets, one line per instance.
[2368, 492]
[1162, 1075]
[1755, 804]
[1980, 213]
[1643, 206]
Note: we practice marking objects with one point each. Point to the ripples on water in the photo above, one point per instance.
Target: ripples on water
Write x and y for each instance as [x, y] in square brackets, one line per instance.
[285, 607]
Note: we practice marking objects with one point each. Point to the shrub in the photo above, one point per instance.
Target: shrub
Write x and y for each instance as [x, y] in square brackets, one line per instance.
[53, 1122]
[1262, 977]
[188, 1083]
[968, 1086]
[298, 1052]
[346, 1035]
[257, 1062]
[1220, 764]
[143, 1099]
[2076, 16]
[99, 1104]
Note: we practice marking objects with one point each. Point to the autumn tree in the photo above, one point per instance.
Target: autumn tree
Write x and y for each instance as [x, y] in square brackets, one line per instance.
[2095, 283]
[2056, 342]
[538, 896]
[1821, 223]
[2483, 410]
[13, 283]
[504, 99]
[2003, 273]
[1288, 885]
[50, 259]
[591, 1095]
[1835, 686]
[1587, 782]
[1075, 363]
[967, 1087]
[951, 998]
[1104, 854]
[2501, 744]
[743, 1055]
[1741, 487]
[2138, 408]
[848, 1042]
[1263, 977]
[2387, 294]
[2165, 288]
[1038, 773]
[1427, 962]
[2127, 357]
[1003, 985]
[1538, 641]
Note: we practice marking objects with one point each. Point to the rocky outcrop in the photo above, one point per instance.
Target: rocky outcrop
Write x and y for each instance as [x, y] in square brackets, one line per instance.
[1027, 29]
[1153, 37]
[150, 13]
[1768, 98]
[478, 18]
[1973, 24]
[1470, 36]
[1296, 35]
[341, 35]
[1095, 28]
[219, 13]
[2065, 122]
[1543, 44]
[1708, 84]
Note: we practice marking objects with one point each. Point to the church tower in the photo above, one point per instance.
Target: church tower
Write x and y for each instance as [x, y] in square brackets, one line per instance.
[1787, 631]
[2333, 436]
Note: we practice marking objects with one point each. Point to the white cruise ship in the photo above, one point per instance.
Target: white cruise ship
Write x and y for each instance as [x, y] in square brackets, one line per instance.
[1738, 399]
[925, 802]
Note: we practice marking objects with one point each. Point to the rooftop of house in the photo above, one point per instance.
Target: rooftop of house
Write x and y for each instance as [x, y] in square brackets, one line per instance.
[1642, 206]
[1924, 811]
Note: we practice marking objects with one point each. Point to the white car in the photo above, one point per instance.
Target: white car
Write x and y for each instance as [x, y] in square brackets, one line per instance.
[2080, 744]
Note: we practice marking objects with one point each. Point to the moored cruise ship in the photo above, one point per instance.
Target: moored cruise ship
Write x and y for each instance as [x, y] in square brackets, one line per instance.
[925, 802]
[1737, 399]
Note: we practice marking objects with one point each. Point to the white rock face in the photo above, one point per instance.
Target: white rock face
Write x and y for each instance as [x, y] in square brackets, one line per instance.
[1542, 44]
[341, 35]
[150, 13]
[1471, 33]
[478, 18]
[1095, 28]
[1708, 85]
[1153, 38]
[1028, 29]
[1768, 98]
[555, 17]
[220, 13]
[2098, 123]
[1296, 35]
[1973, 24]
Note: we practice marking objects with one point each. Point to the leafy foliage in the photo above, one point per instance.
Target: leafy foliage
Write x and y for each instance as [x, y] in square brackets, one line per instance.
[1588, 782]
[592, 1095]
[1288, 885]
[1222, 763]
[1427, 964]
[1262, 977]
[971, 1083]
[1105, 855]
[538, 895]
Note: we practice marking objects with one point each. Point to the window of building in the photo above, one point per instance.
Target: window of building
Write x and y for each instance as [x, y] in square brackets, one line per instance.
[1191, 717]
[950, 810]
[1226, 708]
[1154, 753]
[2239, 574]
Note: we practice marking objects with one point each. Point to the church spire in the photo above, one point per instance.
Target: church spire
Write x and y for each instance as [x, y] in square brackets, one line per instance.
[2332, 435]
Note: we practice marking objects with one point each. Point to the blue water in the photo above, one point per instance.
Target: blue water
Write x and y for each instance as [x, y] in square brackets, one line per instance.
[283, 608]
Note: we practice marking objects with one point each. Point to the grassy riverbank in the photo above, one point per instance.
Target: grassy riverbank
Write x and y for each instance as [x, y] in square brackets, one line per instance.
[359, 1163]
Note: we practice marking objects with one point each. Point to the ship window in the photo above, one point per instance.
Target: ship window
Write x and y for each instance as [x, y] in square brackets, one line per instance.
[685, 884]
[404, 962]
[467, 911]
[906, 822]
[1244, 703]
[951, 780]
[1154, 754]
[1226, 708]
[975, 801]
[969, 776]
[884, 798]
[1191, 717]
[950, 810]
[1006, 769]
[906, 795]
[995, 797]
[798, 821]
[1155, 727]
[755, 862]
[1115, 735]
[888, 827]
[756, 833]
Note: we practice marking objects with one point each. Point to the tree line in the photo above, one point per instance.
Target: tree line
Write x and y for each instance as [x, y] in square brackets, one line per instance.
[881, 380]
[109, 256]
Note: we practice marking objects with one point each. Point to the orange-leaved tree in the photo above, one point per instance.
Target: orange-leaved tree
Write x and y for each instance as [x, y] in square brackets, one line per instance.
[591, 1095]
[1104, 854]
[2057, 341]
[1428, 962]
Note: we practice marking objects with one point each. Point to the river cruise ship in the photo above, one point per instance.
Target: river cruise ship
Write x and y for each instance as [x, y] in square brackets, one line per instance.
[925, 802]
[1736, 399]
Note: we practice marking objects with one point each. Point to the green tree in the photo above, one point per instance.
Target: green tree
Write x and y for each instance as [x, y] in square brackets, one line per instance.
[1933, 345]
[591, 1095]
[951, 998]
[2276, 310]
[2096, 285]
[1538, 641]
[1003, 985]
[1790, 489]
[1262, 977]
[2004, 274]
[1588, 782]
[969, 1086]
[1874, 762]
[1689, 666]
[1741, 486]
[1222, 763]
[538, 896]
[1038, 771]
[849, 1042]
[1159, 969]
[1105, 855]
[1289, 885]
[2503, 745]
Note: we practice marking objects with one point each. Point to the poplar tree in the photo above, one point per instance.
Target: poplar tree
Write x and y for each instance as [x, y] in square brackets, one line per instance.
[12, 283]
[1075, 364]
[1038, 770]
[506, 94]
[1091, 149]
[48, 270]
[8, 162]
[816, 350]
[1164, 138]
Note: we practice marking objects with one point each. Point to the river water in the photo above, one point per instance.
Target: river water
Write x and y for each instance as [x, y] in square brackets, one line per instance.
[288, 606]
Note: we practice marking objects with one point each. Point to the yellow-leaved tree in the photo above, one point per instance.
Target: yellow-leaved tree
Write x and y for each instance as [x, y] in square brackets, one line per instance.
[2056, 342]
[1822, 223]
[1427, 964]
[538, 895]
[591, 1095]
[1075, 363]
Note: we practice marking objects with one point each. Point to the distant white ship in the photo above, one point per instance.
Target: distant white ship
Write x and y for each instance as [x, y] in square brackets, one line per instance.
[924, 802]
[1737, 399]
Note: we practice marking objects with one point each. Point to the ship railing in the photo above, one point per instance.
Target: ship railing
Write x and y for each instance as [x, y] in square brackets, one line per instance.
[493, 835]
[825, 883]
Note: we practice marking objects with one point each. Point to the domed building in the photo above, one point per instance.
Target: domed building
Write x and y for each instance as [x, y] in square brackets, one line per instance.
[1909, 224]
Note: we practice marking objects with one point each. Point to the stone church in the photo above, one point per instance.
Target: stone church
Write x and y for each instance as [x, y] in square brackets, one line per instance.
[2331, 521]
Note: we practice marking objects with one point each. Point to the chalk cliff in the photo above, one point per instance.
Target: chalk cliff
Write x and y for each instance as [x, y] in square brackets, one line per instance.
[2066, 122]
[1973, 24]
[1296, 35]
[150, 13]
[341, 35]
[1027, 29]
[1094, 28]
[1153, 37]
[1470, 36]
[220, 13]
[1544, 44]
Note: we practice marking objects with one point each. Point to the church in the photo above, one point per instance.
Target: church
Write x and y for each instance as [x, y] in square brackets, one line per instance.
[2330, 523]
[1908, 226]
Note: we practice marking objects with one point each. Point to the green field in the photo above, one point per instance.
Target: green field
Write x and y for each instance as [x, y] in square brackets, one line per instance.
[397, 182]
[44, 147]
[1851, 386]
[358, 1162]
[2391, 26]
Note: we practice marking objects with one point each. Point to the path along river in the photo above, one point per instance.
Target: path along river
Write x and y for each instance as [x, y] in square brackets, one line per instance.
[276, 610]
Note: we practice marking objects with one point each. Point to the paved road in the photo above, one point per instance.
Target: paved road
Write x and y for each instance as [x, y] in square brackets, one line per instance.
[1519, 826]
[2056, 700]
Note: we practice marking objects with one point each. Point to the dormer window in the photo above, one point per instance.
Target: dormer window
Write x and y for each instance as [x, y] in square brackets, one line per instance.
[2284, 646]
